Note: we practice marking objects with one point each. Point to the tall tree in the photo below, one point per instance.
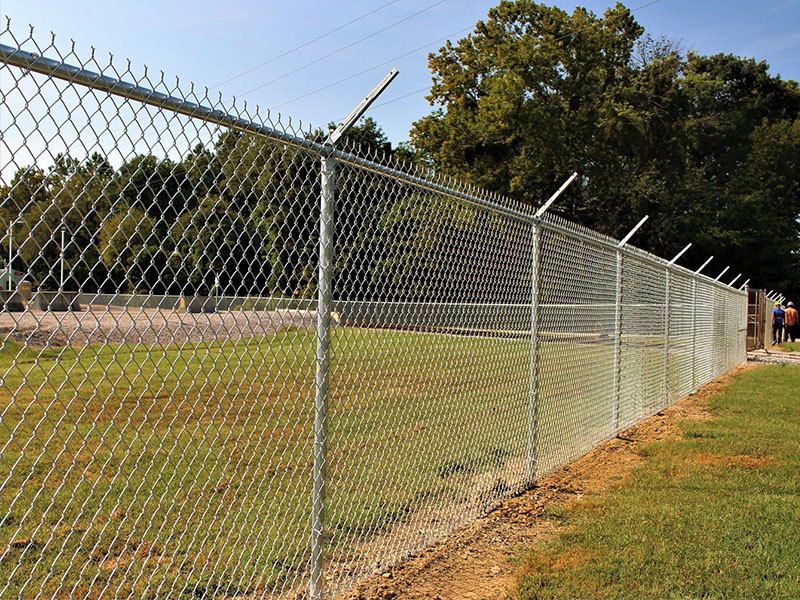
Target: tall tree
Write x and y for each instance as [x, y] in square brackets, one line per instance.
[531, 94]
[535, 93]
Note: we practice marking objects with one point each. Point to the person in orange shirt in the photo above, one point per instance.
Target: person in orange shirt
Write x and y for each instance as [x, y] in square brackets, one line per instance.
[792, 321]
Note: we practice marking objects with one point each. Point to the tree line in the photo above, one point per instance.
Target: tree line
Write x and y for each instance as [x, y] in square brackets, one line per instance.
[163, 226]
[708, 146]
[241, 218]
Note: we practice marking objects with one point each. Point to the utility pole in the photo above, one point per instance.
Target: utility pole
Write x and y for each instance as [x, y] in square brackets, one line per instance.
[61, 261]
[10, 252]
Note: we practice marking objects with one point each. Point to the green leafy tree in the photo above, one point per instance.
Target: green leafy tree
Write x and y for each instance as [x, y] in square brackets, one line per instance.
[274, 189]
[127, 244]
[68, 198]
[161, 188]
[699, 143]
[529, 96]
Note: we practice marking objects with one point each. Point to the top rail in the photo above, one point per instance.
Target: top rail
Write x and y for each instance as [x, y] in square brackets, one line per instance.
[60, 70]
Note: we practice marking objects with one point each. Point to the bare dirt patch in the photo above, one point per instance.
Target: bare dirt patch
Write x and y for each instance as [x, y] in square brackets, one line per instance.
[475, 562]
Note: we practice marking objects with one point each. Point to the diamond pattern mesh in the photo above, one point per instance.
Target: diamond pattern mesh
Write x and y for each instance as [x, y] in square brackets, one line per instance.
[159, 374]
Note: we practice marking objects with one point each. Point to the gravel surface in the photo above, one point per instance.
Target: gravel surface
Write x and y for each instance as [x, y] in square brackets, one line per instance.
[775, 357]
[119, 325]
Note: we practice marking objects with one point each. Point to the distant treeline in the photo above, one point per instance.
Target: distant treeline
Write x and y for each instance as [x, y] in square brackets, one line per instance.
[708, 146]
[240, 218]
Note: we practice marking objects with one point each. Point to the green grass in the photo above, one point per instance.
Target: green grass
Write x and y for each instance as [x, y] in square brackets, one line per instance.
[790, 346]
[715, 514]
[188, 470]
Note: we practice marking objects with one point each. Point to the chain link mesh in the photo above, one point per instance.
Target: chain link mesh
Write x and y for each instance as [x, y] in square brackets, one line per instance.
[157, 422]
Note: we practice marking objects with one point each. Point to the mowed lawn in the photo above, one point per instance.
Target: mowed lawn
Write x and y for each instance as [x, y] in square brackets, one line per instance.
[790, 346]
[186, 471]
[715, 514]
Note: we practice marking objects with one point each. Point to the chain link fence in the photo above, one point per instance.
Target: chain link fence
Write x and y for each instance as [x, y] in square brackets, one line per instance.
[238, 362]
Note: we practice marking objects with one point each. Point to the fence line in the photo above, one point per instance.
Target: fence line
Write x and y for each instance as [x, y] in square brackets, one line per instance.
[271, 366]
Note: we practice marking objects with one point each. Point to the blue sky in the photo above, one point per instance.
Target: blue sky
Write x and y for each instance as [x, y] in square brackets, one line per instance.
[209, 42]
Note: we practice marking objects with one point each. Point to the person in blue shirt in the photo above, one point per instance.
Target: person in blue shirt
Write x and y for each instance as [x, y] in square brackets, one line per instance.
[778, 317]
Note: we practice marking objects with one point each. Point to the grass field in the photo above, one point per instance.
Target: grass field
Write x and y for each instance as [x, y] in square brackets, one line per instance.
[713, 515]
[186, 470]
[175, 469]
[790, 346]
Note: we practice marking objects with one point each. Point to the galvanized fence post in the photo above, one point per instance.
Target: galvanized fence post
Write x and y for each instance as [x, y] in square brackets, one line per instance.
[617, 341]
[324, 293]
[694, 333]
[322, 377]
[533, 399]
[667, 300]
[618, 321]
